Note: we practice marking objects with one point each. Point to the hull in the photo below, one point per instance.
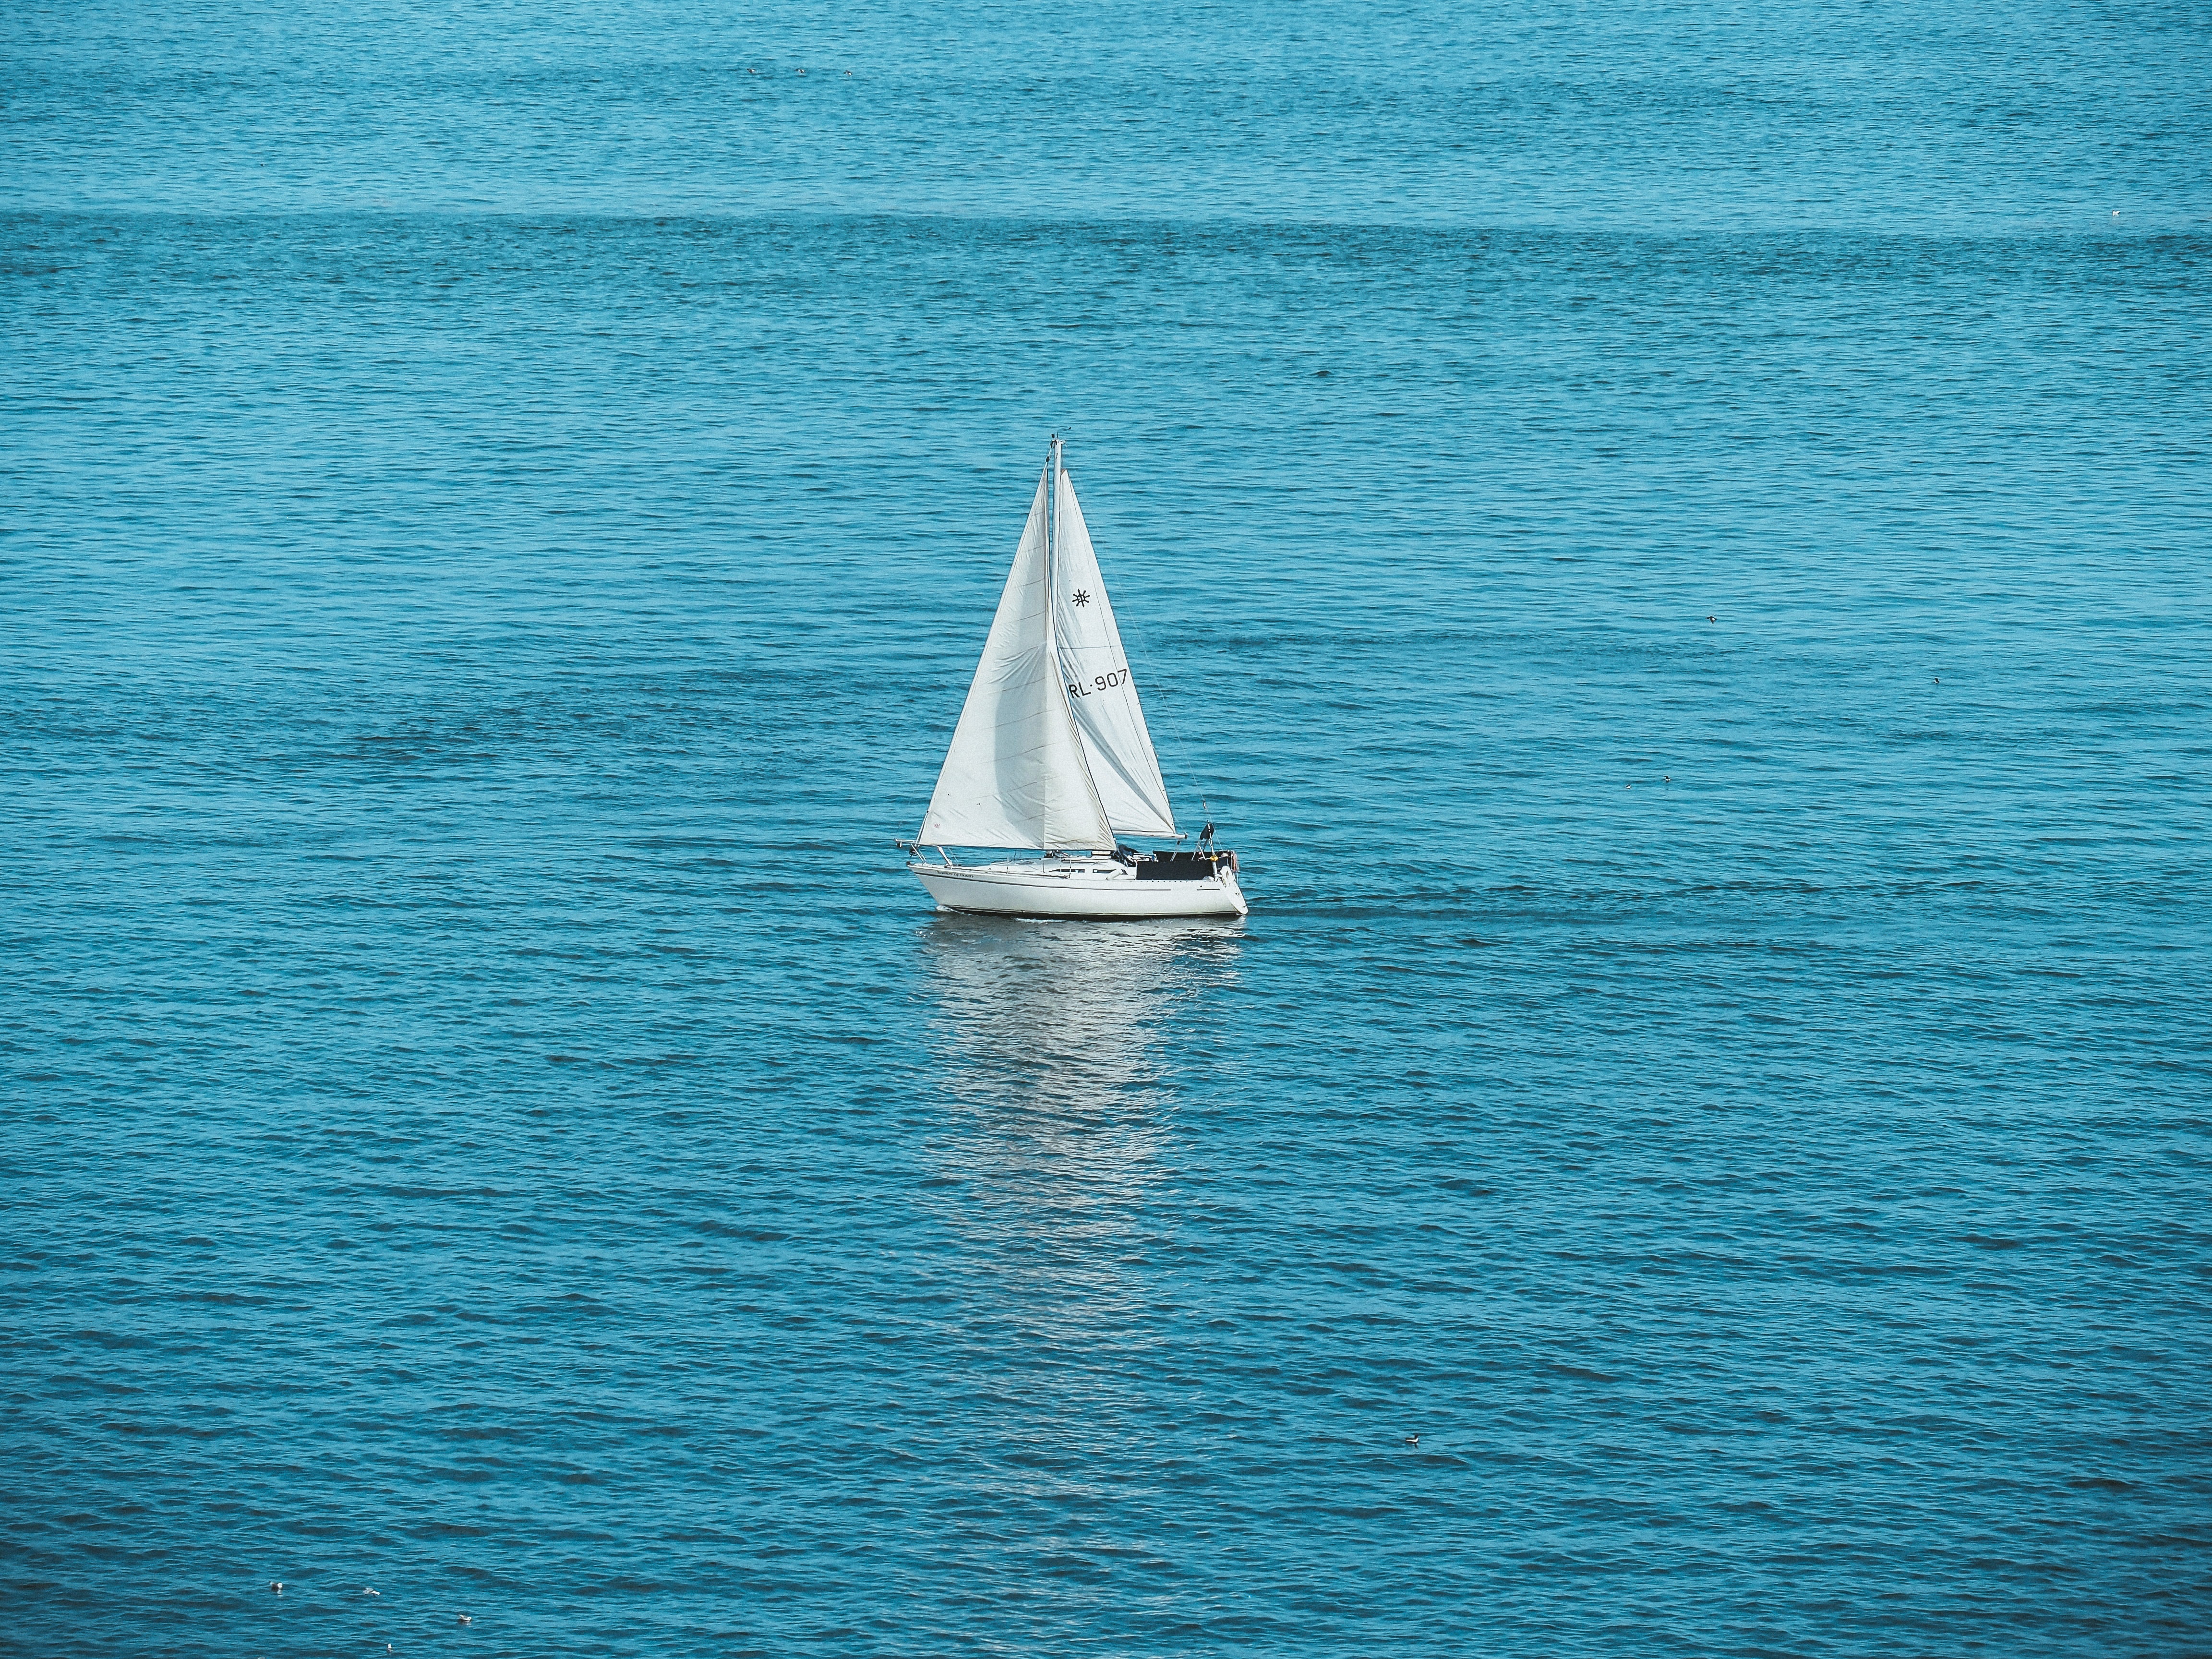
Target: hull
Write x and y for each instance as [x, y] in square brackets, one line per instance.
[1089, 891]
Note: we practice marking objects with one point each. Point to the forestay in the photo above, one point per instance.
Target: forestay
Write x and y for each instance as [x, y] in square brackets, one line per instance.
[1015, 773]
[1100, 691]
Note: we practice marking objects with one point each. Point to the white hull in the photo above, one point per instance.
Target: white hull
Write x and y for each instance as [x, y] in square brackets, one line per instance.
[1096, 890]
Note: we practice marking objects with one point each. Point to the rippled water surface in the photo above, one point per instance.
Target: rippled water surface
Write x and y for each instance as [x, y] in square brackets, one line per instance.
[1675, 545]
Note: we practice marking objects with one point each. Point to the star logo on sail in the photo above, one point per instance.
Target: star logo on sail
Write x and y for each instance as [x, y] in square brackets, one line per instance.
[1082, 598]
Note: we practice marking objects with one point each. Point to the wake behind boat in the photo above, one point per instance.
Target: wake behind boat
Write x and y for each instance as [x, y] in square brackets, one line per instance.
[1051, 755]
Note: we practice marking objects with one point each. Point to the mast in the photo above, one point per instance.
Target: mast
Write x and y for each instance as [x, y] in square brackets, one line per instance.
[1052, 588]
[1051, 550]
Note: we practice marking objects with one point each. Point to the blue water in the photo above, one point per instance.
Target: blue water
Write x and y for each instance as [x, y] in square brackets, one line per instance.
[1675, 545]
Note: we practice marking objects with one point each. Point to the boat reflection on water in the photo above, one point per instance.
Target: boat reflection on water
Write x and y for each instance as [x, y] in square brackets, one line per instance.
[1063, 1048]
[1061, 1021]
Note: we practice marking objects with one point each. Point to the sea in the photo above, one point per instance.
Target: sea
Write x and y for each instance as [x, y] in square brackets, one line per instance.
[1674, 542]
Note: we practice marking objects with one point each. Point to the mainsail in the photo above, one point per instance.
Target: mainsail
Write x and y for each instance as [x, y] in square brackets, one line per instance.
[1015, 775]
[1100, 688]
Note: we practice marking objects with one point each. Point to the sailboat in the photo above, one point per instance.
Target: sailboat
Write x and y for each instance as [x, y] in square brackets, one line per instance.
[1052, 756]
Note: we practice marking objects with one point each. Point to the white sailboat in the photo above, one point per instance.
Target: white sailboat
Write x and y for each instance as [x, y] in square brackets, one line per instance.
[1052, 756]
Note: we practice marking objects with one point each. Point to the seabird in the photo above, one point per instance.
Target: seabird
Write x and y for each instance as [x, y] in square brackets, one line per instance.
[275, 1585]
[365, 1590]
[1413, 1440]
[1708, 619]
[464, 1619]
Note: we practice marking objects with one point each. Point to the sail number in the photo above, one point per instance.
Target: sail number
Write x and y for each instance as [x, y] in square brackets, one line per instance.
[1099, 683]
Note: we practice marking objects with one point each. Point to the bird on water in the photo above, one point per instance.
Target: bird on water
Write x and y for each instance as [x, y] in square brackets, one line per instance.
[276, 1585]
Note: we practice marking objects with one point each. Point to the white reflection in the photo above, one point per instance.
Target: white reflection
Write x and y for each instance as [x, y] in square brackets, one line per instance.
[1060, 1056]
[1064, 1021]
[1062, 1050]
[1059, 1044]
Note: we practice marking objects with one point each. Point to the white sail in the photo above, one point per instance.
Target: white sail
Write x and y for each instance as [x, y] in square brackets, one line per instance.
[1101, 690]
[1014, 776]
